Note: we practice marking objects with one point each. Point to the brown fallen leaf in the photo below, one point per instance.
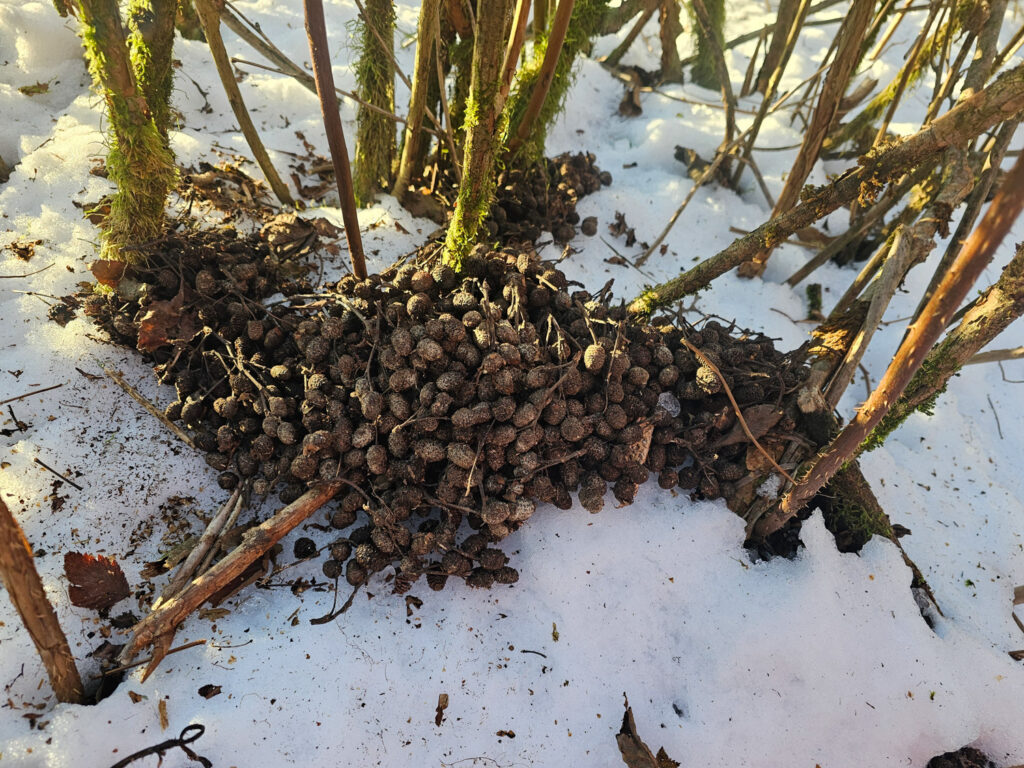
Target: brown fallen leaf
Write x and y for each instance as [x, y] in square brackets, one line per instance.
[136, 697]
[442, 705]
[759, 418]
[108, 272]
[162, 709]
[208, 691]
[97, 582]
[636, 754]
[165, 323]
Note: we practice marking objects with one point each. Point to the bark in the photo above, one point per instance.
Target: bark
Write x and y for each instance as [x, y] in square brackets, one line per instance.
[849, 45]
[703, 72]
[158, 627]
[769, 97]
[994, 310]
[25, 588]
[784, 22]
[1001, 100]
[704, 13]
[859, 129]
[415, 144]
[971, 262]
[375, 75]
[670, 28]
[483, 130]
[210, 20]
[316, 31]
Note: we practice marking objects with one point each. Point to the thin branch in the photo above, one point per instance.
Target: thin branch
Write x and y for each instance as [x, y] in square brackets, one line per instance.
[210, 21]
[316, 31]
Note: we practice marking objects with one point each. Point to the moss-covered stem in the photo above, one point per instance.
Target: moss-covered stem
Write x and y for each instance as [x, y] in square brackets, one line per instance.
[1000, 100]
[375, 75]
[704, 73]
[669, 29]
[150, 40]
[851, 34]
[414, 143]
[210, 20]
[994, 310]
[442, 93]
[484, 129]
[976, 255]
[542, 84]
[530, 131]
[138, 162]
[316, 31]
[540, 17]
[186, 21]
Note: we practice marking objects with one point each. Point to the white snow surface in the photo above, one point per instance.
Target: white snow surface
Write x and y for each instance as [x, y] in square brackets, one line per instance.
[821, 660]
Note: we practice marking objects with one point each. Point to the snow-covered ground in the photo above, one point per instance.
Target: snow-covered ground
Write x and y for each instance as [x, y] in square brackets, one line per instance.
[823, 660]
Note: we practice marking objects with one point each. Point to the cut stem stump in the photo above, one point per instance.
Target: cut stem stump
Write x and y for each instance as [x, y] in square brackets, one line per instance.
[19, 575]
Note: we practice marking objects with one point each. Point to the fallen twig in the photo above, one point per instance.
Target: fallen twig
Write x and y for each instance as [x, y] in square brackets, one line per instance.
[29, 394]
[137, 396]
[47, 467]
[159, 627]
[199, 552]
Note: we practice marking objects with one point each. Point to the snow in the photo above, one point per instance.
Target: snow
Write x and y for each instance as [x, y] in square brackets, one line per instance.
[824, 659]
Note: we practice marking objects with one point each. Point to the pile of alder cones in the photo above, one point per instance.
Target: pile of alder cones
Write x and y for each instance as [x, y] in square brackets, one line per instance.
[453, 406]
[542, 198]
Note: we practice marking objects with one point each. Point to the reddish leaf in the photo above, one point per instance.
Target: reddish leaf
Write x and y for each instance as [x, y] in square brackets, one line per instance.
[96, 581]
[108, 272]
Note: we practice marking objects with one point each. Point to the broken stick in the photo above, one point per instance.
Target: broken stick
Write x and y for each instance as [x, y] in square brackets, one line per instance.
[159, 627]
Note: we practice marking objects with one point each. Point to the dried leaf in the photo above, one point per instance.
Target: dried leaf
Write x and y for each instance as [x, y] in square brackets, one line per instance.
[759, 418]
[442, 705]
[208, 691]
[412, 602]
[165, 323]
[136, 697]
[34, 90]
[96, 581]
[108, 272]
[325, 229]
[162, 709]
[23, 249]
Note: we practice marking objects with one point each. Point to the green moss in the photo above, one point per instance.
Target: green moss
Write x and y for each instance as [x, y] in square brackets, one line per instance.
[150, 40]
[375, 74]
[585, 22]
[703, 72]
[931, 375]
[139, 161]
